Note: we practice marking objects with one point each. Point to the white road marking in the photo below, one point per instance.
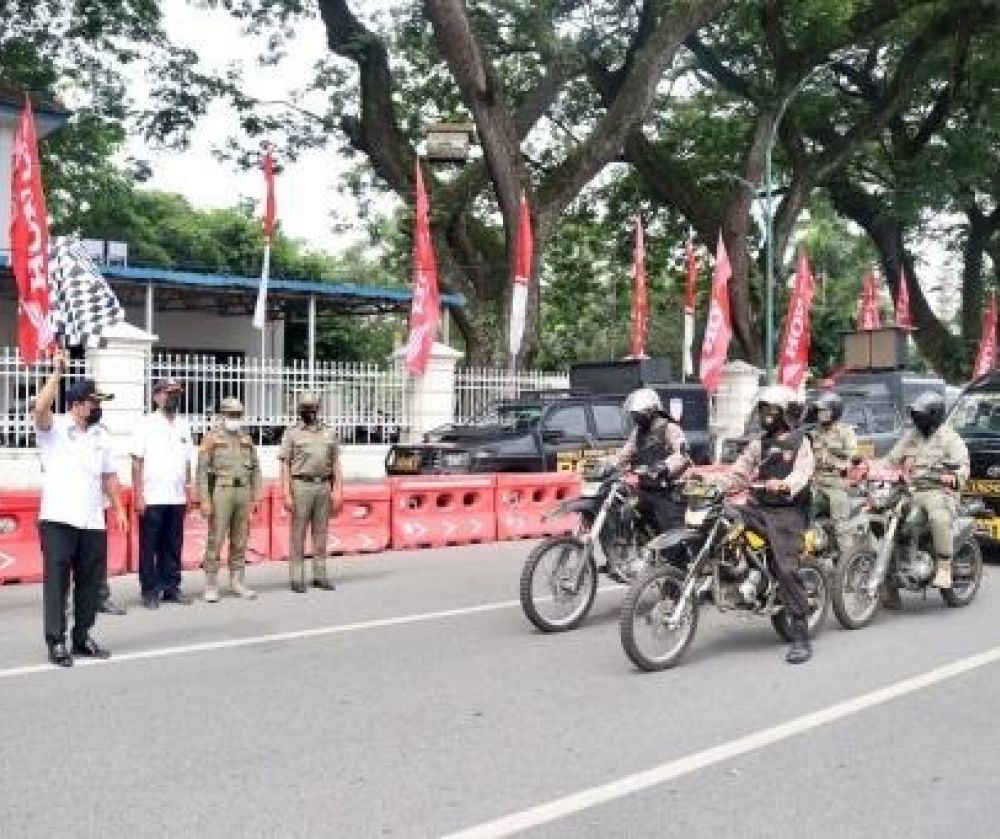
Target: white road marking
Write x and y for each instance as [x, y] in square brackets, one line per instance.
[277, 637]
[586, 799]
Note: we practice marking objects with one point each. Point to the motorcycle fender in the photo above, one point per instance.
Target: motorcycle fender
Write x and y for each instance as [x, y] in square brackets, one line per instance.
[674, 538]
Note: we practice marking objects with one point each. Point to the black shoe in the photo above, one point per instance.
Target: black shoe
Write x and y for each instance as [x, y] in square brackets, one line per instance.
[151, 601]
[177, 597]
[109, 607]
[59, 655]
[89, 648]
[326, 585]
[299, 588]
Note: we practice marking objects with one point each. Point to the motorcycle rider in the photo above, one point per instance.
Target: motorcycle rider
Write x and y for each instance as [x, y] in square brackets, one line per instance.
[781, 459]
[927, 447]
[834, 447]
[657, 442]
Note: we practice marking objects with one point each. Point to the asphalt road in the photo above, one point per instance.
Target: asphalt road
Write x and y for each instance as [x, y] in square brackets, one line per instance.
[417, 701]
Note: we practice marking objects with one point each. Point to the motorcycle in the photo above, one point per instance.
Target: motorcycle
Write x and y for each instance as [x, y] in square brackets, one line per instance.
[902, 553]
[559, 578]
[729, 562]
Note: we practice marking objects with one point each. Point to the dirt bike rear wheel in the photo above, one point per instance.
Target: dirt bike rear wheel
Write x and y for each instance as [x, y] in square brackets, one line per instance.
[549, 597]
[966, 575]
[817, 586]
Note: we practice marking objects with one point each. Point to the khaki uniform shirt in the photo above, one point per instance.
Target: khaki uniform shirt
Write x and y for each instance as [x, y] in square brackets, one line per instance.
[228, 459]
[833, 448]
[311, 451]
[670, 434]
[914, 451]
[744, 470]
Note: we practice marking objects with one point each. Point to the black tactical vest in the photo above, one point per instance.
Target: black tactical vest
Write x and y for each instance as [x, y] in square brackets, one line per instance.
[777, 460]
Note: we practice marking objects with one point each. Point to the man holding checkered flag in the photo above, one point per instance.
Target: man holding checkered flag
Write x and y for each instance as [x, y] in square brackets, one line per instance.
[82, 303]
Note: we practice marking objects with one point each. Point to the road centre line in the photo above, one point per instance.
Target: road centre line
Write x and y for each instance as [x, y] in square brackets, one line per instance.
[586, 799]
[277, 637]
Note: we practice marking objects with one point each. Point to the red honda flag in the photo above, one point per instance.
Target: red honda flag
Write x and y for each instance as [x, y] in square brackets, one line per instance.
[903, 317]
[986, 356]
[640, 295]
[425, 311]
[690, 293]
[29, 242]
[793, 357]
[523, 248]
[869, 316]
[270, 209]
[718, 328]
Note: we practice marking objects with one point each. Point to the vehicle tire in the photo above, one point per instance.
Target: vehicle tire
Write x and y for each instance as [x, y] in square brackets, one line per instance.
[545, 583]
[649, 600]
[851, 603]
[966, 575]
[817, 585]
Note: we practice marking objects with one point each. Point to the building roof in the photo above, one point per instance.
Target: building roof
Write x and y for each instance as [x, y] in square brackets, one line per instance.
[236, 295]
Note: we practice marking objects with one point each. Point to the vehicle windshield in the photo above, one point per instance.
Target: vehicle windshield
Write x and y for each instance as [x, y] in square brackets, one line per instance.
[977, 413]
[508, 415]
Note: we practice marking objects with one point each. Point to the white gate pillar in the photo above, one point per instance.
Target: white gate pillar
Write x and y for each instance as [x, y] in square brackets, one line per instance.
[429, 400]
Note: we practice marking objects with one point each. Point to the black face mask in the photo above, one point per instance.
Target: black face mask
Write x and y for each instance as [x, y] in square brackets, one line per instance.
[308, 415]
[642, 421]
[94, 416]
[770, 422]
[170, 404]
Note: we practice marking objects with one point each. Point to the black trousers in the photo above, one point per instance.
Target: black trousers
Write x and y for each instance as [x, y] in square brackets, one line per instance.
[784, 527]
[71, 552]
[161, 539]
[660, 510]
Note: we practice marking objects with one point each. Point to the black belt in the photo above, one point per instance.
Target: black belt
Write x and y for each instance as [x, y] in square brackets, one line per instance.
[309, 479]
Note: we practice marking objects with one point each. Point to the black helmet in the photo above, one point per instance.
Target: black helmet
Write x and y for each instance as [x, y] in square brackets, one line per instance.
[829, 407]
[927, 412]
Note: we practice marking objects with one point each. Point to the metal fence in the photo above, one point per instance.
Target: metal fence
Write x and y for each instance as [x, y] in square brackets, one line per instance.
[477, 388]
[19, 384]
[364, 403]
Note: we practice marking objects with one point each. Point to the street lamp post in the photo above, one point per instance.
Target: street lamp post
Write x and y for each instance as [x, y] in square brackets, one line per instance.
[769, 227]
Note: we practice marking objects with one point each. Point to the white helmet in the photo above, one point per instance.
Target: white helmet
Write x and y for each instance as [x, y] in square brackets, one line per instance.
[644, 401]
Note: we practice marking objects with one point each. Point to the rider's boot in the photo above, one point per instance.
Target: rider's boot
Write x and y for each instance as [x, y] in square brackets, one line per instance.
[890, 596]
[942, 579]
[801, 649]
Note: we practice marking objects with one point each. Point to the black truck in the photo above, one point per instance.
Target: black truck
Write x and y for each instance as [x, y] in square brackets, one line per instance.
[976, 417]
[547, 431]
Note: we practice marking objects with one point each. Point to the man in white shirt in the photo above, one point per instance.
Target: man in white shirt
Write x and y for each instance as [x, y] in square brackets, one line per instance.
[78, 472]
[161, 473]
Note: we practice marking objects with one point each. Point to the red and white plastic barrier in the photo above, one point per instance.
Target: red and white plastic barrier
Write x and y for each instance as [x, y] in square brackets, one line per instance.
[435, 511]
[523, 500]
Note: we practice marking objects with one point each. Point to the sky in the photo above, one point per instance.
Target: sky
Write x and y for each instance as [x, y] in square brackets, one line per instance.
[306, 189]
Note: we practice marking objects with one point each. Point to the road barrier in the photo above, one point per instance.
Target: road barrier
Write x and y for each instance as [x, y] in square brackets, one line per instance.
[524, 500]
[361, 526]
[435, 511]
[20, 552]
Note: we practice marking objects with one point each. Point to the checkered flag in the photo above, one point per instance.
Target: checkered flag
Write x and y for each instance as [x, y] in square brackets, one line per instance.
[82, 303]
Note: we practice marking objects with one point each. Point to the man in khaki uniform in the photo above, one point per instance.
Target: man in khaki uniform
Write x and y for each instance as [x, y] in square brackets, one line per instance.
[313, 490]
[834, 448]
[934, 448]
[229, 488]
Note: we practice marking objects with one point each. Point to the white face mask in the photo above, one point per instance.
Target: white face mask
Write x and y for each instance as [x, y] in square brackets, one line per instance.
[232, 424]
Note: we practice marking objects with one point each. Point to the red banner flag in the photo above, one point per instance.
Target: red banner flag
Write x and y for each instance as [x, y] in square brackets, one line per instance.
[523, 252]
[903, 317]
[690, 293]
[640, 295]
[425, 311]
[869, 316]
[793, 358]
[986, 356]
[29, 242]
[718, 328]
[260, 309]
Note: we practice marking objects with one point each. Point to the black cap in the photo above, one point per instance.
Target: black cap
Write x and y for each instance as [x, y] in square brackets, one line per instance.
[86, 389]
